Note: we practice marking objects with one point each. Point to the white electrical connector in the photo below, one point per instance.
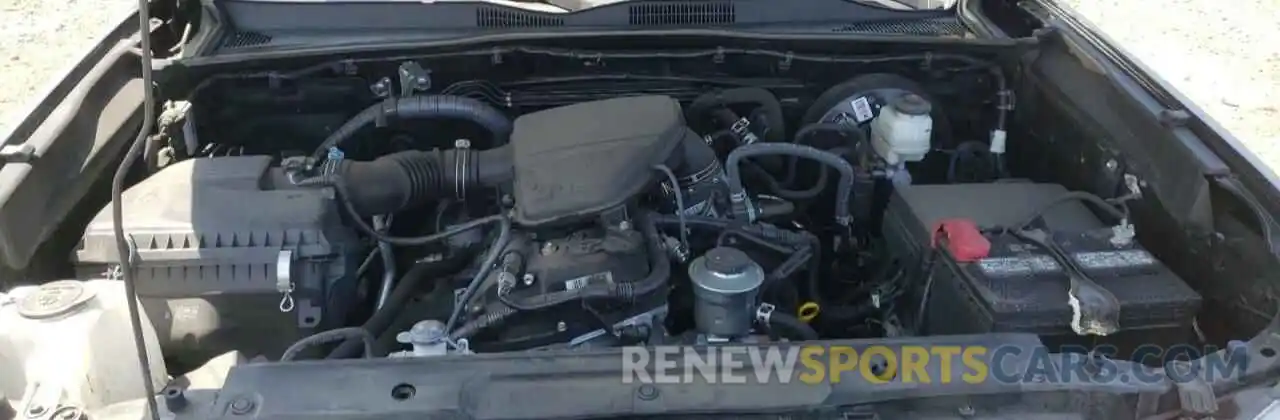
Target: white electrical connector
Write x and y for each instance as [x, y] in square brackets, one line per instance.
[998, 139]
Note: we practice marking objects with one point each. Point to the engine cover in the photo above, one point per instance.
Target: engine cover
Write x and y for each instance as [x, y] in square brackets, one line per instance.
[575, 161]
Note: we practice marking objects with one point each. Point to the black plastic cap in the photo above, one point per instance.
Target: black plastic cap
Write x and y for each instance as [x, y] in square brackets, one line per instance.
[174, 398]
[727, 260]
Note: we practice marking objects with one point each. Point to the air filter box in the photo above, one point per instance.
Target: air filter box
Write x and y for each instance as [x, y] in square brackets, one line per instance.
[1017, 286]
[219, 240]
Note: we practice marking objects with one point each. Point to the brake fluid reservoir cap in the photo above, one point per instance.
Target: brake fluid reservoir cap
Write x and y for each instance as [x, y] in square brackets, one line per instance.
[911, 104]
[53, 299]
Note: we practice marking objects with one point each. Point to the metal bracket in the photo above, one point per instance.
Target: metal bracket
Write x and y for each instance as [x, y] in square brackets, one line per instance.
[381, 88]
[413, 78]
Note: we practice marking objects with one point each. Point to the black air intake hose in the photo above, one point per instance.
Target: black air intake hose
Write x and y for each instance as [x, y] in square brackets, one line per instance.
[399, 180]
[768, 103]
[419, 107]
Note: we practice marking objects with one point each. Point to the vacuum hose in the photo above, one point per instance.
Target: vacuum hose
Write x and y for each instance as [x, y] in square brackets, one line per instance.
[421, 107]
[738, 194]
[790, 327]
[765, 100]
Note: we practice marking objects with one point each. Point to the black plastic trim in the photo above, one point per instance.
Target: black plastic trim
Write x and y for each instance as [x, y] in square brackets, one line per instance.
[270, 16]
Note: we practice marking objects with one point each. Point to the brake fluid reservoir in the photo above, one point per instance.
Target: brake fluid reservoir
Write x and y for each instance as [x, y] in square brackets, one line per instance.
[70, 343]
[901, 133]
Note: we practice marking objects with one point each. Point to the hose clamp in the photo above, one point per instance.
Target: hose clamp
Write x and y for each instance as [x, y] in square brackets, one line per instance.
[764, 312]
[284, 280]
[460, 163]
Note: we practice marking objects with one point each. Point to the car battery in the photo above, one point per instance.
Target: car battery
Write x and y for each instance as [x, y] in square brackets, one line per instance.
[1014, 285]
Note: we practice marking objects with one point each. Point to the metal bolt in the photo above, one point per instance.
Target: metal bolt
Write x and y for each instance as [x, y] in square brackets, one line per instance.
[1112, 164]
[624, 225]
[549, 248]
[381, 88]
[647, 392]
[966, 411]
[36, 411]
[241, 405]
[527, 279]
[561, 326]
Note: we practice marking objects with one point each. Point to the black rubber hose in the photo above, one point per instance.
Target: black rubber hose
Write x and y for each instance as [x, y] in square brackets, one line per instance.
[360, 225]
[340, 334]
[419, 107]
[384, 316]
[804, 134]
[401, 180]
[791, 328]
[495, 251]
[770, 208]
[738, 195]
[491, 317]
[1102, 204]
[702, 106]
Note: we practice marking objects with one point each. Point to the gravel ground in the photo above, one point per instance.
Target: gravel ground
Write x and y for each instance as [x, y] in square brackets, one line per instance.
[1223, 56]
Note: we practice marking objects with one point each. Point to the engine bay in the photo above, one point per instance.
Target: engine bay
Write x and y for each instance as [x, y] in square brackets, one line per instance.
[398, 208]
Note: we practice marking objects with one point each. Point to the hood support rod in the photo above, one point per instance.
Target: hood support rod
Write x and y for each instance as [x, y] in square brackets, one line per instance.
[126, 249]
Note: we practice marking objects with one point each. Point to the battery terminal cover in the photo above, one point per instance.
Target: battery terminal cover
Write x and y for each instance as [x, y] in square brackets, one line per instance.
[962, 239]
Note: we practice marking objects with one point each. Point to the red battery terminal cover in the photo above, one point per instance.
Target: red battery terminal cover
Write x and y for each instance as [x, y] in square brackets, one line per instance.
[963, 239]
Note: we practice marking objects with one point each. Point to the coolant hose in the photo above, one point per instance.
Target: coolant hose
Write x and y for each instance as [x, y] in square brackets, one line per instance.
[400, 180]
[790, 327]
[420, 107]
[738, 194]
[329, 337]
[768, 103]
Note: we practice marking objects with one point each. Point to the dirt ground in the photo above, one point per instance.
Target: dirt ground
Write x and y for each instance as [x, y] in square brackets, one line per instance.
[1225, 56]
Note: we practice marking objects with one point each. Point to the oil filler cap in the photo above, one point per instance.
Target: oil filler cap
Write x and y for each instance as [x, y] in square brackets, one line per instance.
[53, 299]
